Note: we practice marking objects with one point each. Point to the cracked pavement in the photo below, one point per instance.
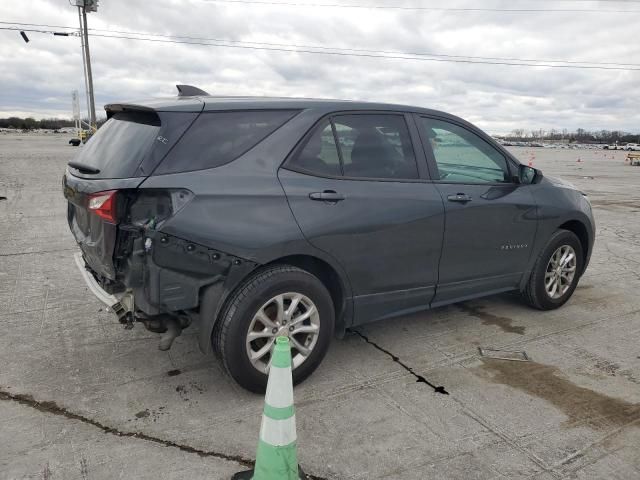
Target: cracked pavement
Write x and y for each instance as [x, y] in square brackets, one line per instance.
[80, 397]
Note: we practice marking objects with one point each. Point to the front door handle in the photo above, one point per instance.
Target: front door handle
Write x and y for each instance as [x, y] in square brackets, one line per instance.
[459, 197]
[327, 196]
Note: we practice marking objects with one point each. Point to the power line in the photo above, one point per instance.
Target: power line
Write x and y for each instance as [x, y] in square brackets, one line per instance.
[336, 51]
[404, 56]
[580, 1]
[341, 49]
[345, 49]
[39, 25]
[53, 32]
[269, 3]
[589, 1]
[583, 1]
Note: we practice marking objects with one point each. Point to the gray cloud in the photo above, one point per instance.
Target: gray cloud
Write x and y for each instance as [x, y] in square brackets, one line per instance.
[37, 78]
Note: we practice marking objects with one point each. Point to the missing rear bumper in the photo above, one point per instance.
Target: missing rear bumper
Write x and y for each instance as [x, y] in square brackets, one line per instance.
[92, 283]
[123, 306]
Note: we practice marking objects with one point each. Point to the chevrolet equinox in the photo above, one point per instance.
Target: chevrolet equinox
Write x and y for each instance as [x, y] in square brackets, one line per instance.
[261, 217]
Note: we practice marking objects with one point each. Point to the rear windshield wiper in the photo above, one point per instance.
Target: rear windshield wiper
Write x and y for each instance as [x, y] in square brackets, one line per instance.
[84, 168]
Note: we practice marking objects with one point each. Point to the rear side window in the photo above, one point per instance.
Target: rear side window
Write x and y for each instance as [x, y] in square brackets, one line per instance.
[359, 146]
[121, 144]
[216, 138]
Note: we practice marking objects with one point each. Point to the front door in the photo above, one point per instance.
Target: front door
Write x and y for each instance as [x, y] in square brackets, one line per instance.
[491, 219]
[358, 194]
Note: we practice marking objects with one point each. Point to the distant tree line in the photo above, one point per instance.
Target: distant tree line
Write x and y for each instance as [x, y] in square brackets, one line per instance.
[579, 136]
[32, 124]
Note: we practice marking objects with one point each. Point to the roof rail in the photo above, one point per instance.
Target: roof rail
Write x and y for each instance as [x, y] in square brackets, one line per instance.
[190, 91]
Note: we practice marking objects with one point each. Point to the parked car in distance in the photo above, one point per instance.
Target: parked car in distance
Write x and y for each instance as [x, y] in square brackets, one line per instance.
[632, 147]
[262, 217]
[616, 146]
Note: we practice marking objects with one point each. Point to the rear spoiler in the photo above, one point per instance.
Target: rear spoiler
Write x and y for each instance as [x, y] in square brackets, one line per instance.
[188, 103]
[114, 108]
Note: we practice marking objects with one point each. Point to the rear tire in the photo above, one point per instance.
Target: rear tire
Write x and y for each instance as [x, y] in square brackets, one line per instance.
[562, 254]
[254, 308]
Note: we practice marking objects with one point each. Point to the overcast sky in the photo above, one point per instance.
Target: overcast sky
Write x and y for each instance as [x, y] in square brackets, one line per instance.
[36, 78]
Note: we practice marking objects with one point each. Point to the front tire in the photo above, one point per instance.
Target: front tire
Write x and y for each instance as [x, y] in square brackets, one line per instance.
[275, 301]
[556, 272]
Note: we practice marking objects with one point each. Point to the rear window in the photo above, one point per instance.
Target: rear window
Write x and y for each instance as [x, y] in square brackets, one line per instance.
[216, 138]
[121, 144]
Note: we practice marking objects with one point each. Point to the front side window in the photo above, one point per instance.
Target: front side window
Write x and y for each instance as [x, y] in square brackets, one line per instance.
[462, 156]
[375, 146]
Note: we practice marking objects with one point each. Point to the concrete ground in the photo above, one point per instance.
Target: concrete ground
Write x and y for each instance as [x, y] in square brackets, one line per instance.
[83, 398]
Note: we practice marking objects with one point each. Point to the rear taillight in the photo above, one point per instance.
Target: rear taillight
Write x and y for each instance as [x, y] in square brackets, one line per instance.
[103, 204]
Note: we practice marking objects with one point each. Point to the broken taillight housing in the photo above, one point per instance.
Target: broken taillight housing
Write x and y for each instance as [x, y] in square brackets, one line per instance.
[103, 204]
[150, 207]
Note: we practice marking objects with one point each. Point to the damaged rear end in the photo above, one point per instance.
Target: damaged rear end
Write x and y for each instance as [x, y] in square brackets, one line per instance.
[152, 198]
[115, 222]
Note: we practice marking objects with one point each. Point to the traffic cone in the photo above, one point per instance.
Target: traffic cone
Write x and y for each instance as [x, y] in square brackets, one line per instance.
[277, 455]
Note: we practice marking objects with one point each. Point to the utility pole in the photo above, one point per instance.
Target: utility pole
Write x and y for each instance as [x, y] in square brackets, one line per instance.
[92, 105]
[85, 6]
[84, 62]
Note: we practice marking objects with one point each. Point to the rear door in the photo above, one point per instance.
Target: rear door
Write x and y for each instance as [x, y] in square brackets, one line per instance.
[491, 219]
[358, 188]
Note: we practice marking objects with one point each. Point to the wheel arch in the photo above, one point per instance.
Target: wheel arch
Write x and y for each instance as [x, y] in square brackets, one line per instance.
[580, 230]
[329, 277]
[214, 297]
[574, 224]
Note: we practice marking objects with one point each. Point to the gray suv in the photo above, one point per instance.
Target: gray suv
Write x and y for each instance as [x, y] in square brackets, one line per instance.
[259, 217]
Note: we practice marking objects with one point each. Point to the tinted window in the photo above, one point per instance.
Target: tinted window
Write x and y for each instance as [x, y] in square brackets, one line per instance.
[220, 137]
[375, 146]
[462, 156]
[320, 154]
[120, 145]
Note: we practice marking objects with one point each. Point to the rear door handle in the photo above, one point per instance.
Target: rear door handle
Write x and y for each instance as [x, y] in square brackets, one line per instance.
[326, 196]
[459, 197]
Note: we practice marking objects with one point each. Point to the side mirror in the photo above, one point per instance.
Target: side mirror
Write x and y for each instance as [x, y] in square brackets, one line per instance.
[529, 175]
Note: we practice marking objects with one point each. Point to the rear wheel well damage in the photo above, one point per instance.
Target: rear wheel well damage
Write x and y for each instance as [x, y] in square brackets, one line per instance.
[215, 296]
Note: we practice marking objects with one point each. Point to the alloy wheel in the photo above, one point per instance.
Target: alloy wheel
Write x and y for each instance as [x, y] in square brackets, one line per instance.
[560, 272]
[291, 315]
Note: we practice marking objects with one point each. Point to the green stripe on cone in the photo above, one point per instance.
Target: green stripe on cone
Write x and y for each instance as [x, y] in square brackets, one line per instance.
[276, 463]
[281, 356]
[277, 454]
[279, 413]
